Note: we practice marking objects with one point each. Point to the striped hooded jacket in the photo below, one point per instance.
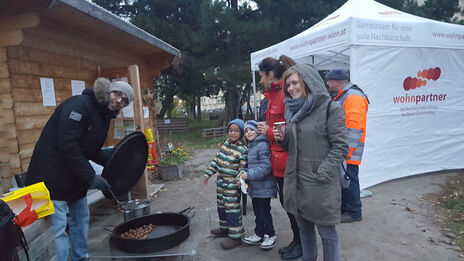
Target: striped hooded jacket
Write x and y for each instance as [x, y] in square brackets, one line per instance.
[231, 160]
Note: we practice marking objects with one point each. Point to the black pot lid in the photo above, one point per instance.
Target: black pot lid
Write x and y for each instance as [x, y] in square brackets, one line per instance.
[127, 164]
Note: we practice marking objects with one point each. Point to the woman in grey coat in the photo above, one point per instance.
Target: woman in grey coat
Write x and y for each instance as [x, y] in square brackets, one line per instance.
[317, 145]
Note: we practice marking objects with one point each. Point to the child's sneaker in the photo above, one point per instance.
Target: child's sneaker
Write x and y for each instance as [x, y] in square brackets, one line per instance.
[252, 240]
[268, 242]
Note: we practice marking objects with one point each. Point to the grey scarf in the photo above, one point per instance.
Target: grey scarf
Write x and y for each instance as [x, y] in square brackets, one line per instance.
[297, 109]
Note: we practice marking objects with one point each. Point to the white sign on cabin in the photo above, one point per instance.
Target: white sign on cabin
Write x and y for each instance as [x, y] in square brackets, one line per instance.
[48, 92]
[77, 87]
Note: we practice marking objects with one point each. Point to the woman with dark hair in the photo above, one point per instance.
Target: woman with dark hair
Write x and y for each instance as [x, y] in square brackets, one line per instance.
[270, 71]
[317, 144]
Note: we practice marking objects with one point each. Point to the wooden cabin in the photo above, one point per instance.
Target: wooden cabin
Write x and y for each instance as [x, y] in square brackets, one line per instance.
[52, 48]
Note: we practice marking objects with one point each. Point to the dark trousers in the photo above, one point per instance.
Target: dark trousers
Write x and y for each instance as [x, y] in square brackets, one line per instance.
[263, 218]
[293, 224]
[351, 200]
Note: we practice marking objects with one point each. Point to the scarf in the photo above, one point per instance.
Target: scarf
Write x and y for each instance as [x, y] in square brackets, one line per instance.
[297, 109]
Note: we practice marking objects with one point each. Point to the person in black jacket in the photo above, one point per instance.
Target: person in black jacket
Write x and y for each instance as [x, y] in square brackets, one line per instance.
[73, 135]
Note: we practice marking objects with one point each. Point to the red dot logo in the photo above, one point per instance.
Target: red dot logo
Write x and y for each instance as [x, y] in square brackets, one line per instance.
[411, 83]
[407, 84]
[436, 73]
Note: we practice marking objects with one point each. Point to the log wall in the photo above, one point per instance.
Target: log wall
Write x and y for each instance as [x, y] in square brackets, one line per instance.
[31, 49]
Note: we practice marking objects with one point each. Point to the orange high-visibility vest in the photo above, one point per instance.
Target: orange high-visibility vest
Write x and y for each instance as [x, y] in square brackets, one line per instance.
[355, 103]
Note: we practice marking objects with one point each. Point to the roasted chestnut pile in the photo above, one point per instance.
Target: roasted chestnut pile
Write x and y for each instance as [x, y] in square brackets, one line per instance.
[138, 233]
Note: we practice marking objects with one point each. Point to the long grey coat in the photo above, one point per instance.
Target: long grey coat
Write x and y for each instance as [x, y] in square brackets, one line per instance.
[261, 182]
[316, 148]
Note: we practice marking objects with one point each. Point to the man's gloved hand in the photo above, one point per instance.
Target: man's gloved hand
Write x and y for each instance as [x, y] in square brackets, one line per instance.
[99, 182]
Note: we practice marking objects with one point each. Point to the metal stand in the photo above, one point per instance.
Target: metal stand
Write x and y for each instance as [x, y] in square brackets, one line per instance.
[198, 231]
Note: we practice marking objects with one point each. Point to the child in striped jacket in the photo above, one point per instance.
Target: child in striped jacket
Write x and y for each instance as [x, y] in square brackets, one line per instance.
[230, 162]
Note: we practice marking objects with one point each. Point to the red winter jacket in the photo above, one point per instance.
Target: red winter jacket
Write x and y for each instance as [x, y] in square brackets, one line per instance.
[275, 113]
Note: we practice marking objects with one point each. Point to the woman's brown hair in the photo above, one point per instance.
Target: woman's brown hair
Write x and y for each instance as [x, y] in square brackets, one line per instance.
[289, 73]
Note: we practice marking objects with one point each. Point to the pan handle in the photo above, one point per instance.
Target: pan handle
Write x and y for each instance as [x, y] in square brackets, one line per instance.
[190, 212]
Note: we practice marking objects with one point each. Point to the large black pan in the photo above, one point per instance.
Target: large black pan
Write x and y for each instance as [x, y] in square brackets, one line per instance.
[126, 164]
[170, 230]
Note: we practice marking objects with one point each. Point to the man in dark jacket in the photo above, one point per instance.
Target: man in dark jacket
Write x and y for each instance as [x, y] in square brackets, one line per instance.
[73, 135]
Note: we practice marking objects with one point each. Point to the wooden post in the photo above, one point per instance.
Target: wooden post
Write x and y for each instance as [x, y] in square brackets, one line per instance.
[141, 189]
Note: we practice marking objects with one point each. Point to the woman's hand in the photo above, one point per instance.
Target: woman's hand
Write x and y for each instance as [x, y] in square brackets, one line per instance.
[277, 135]
[205, 180]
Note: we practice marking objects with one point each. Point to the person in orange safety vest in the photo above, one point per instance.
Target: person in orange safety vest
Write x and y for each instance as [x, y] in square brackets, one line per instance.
[355, 103]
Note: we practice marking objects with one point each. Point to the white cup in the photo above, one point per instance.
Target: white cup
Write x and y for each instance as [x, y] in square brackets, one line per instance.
[280, 127]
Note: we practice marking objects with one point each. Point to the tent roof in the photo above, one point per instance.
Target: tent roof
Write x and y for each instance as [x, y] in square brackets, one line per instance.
[362, 22]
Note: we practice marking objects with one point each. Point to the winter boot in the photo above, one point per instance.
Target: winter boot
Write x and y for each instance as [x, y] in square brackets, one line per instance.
[229, 243]
[218, 232]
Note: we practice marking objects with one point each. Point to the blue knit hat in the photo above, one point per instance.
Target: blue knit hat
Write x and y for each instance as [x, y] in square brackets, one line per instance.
[338, 74]
[239, 122]
[251, 125]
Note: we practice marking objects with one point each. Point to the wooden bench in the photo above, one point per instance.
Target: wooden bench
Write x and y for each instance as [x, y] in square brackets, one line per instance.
[173, 125]
[214, 132]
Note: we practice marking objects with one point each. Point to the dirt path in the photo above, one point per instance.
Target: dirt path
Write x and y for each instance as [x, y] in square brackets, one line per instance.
[398, 223]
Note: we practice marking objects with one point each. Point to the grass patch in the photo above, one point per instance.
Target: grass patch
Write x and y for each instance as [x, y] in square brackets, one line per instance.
[193, 140]
[452, 202]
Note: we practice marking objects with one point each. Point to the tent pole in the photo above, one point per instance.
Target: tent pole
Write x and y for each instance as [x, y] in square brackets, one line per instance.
[254, 94]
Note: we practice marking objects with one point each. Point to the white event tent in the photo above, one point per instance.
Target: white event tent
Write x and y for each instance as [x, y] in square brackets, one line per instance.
[412, 69]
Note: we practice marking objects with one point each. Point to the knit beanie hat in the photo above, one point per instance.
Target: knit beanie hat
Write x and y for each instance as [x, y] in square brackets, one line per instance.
[338, 74]
[251, 125]
[239, 122]
[123, 87]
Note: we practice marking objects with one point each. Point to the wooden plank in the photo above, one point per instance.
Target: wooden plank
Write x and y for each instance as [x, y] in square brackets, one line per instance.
[10, 37]
[25, 165]
[48, 57]
[48, 70]
[15, 160]
[5, 85]
[7, 173]
[4, 172]
[19, 21]
[9, 146]
[4, 72]
[33, 81]
[29, 109]
[25, 150]
[27, 95]
[70, 44]
[28, 136]
[3, 57]
[112, 73]
[7, 116]
[31, 122]
[141, 189]
[35, 95]
[6, 101]
[135, 82]
[4, 159]
[9, 131]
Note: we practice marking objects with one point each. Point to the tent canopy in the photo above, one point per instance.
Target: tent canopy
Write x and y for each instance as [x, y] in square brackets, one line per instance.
[361, 22]
[411, 69]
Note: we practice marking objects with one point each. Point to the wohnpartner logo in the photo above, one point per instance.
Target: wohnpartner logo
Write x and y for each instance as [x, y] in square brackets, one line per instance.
[411, 83]
[430, 74]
